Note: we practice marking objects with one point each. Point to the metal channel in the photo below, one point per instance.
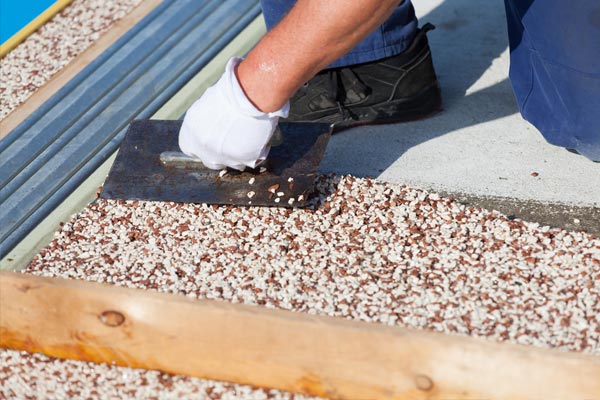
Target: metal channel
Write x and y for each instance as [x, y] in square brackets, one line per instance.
[67, 118]
[165, 50]
[19, 131]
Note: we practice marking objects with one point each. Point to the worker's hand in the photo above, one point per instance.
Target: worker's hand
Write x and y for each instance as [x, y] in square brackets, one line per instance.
[224, 129]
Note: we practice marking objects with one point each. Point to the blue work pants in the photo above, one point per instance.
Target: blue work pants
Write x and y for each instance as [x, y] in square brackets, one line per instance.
[555, 69]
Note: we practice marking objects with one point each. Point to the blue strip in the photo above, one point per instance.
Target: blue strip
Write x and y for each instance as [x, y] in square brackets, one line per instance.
[15, 15]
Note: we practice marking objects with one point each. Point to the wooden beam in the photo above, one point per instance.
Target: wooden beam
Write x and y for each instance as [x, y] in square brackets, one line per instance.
[322, 356]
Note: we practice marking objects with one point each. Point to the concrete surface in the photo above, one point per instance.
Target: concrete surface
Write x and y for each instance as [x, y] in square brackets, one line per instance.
[479, 147]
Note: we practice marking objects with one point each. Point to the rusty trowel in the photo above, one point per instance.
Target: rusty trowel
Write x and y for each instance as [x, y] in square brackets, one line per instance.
[150, 166]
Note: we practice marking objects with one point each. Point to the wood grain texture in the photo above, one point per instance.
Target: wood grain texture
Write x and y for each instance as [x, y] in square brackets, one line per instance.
[302, 353]
[41, 95]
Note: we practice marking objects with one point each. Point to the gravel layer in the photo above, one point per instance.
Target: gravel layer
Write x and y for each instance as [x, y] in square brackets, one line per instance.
[364, 250]
[35, 376]
[31, 64]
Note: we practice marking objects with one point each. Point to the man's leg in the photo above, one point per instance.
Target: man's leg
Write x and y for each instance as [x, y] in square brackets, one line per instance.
[393, 36]
[306, 40]
[387, 77]
[555, 70]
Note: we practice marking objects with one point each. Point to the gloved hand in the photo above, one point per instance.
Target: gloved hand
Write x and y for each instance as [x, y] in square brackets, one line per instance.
[224, 129]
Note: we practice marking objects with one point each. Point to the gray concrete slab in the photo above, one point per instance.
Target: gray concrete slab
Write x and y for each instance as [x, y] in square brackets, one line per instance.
[479, 146]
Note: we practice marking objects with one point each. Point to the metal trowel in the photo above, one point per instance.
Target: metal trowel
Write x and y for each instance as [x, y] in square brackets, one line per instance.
[150, 166]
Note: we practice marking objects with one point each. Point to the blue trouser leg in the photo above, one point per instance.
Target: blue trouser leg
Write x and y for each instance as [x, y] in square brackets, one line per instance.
[391, 38]
[555, 69]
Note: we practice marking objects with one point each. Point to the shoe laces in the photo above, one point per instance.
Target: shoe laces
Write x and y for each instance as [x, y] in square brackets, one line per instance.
[337, 89]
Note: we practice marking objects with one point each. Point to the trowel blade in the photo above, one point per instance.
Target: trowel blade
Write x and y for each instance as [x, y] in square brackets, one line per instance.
[150, 166]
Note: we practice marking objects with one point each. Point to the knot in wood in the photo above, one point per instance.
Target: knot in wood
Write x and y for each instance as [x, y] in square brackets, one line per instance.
[112, 318]
[424, 383]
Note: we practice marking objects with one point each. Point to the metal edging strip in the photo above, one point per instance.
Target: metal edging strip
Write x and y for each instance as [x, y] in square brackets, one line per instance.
[80, 77]
[73, 113]
[32, 204]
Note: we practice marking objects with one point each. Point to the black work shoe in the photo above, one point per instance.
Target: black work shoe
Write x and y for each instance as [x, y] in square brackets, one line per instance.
[395, 89]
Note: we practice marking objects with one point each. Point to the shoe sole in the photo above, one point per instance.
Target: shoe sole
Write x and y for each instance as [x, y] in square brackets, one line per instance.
[424, 104]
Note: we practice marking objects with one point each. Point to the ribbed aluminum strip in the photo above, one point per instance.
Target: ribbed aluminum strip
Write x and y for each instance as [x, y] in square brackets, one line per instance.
[46, 157]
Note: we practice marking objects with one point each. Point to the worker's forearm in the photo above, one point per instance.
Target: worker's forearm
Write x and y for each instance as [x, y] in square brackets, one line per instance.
[313, 35]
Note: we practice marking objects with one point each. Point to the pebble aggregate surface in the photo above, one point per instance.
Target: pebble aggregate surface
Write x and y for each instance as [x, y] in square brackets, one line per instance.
[362, 250]
[45, 52]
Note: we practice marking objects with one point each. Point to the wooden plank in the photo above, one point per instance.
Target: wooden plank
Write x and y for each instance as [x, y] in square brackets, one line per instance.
[61, 78]
[302, 353]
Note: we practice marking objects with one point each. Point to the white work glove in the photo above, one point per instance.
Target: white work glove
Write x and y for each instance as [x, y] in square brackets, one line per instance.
[224, 129]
